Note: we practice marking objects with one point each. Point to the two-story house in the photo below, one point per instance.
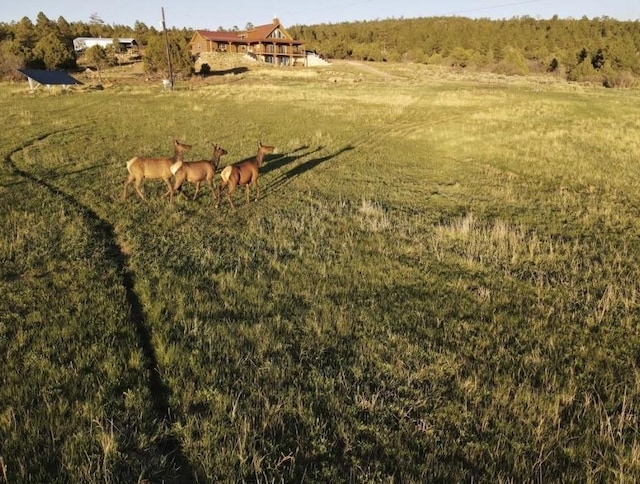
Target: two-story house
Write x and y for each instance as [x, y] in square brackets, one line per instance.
[269, 43]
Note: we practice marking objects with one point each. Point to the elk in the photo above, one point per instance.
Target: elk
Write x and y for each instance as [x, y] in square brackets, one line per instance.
[245, 173]
[140, 168]
[197, 171]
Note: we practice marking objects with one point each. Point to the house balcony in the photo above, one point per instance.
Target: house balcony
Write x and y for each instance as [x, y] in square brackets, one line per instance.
[277, 49]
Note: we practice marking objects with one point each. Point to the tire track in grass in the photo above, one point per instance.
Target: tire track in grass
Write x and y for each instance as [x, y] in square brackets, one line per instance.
[170, 446]
[399, 126]
[406, 123]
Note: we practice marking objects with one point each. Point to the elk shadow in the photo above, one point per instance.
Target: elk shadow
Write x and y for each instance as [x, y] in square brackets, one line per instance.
[277, 161]
[304, 167]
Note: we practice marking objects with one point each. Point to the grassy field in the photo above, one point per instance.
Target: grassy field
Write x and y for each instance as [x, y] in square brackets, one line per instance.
[439, 283]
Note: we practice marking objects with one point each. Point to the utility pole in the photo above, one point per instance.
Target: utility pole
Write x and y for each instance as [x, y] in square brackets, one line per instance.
[166, 50]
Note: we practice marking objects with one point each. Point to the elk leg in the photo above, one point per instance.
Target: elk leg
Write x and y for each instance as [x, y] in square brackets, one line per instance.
[169, 191]
[176, 187]
[230, 189]
[222, 184]
[197, 189]
[138, 187]
[179, 190]
[127, 182]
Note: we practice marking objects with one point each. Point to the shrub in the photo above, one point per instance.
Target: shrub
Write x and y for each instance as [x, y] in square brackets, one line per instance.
[624, 79]
[10, 59]
[513, 64]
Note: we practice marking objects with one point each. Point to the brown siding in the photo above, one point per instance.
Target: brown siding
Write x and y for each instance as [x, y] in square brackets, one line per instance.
[278, 50]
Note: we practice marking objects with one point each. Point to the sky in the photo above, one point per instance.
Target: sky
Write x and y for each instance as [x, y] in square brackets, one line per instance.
[212, 14]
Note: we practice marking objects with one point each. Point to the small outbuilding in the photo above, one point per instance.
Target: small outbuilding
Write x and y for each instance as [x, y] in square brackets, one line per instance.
[80, 44]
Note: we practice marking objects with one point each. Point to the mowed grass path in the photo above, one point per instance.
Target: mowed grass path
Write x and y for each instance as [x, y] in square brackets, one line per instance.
[439, 283]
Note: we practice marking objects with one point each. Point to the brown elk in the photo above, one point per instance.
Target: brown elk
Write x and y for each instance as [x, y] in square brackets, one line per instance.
[245, 173]
[140, 168]
[197, 171]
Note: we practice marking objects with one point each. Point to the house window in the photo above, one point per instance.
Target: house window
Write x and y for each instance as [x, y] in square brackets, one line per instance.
[277, 34]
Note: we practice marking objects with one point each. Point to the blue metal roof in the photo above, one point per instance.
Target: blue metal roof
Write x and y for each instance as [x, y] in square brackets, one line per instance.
[49, 78]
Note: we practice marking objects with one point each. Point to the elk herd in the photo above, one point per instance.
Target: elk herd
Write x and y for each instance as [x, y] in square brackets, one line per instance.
[195, 172]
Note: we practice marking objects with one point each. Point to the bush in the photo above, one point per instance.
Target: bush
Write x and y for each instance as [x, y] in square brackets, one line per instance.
[584, 72]
[513, 64]
[624, 79]
[10, 60]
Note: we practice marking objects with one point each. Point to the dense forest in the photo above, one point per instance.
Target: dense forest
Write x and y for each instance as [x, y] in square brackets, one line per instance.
[602, 50]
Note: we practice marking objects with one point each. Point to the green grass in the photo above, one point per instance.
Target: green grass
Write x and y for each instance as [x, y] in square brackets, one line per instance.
[439, 283]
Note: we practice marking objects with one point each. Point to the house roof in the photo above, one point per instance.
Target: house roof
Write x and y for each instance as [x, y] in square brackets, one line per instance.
[260, 33]
[263, 32]
[219, 36]
[122, 40]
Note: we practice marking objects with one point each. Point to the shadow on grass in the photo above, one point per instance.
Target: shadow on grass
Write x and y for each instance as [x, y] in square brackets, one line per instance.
[300, 168]
[170, 446]
[280, 160]
[273, 162]
[223, 72]
[49, 176]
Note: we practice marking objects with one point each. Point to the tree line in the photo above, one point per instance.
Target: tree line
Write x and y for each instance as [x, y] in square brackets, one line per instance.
[603, 49]
[599, 49]
[48, 44]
